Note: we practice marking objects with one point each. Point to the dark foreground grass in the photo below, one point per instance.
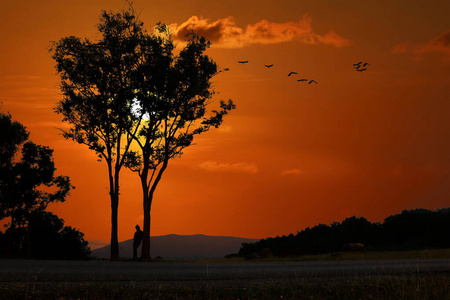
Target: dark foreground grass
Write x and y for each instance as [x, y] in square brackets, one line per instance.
[408, 286]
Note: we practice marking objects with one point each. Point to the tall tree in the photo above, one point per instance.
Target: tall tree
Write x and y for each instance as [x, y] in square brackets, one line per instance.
[27, 178]
[97, 82]
[129, 86]
[171, 101]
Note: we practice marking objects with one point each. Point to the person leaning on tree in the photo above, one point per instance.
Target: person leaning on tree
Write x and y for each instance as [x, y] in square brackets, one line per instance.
[138, 235]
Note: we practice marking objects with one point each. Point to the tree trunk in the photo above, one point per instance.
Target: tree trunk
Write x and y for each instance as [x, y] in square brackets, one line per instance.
[114, 195]
[10, 238]
[28, 244]
[145, 255]
[147, 201]
[114, 235]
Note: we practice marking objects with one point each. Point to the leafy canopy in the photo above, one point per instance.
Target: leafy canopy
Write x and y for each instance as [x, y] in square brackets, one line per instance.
[27, 179]
[171, 99]
[97, 80]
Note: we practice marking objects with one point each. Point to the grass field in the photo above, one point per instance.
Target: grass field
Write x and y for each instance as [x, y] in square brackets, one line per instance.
[410, 286]
[364, 255]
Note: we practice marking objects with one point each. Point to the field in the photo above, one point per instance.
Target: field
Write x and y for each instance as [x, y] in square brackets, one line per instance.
[363, 255]
[412, 285]
[425, 286]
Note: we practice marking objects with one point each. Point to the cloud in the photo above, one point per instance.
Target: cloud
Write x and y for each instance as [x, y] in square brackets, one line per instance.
[291, 172]
[225, 128]
[224, 33]
[439, 44]
[240, 167]
[400, 48]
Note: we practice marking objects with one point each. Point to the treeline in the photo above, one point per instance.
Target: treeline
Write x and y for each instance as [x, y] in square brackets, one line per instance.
[28, 184]
[44, 237]
[410, 230]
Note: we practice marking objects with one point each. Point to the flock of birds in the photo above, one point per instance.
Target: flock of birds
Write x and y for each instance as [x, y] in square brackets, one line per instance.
[360, 67]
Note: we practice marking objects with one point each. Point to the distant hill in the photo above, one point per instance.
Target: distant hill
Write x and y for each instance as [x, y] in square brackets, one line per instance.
[174, 246]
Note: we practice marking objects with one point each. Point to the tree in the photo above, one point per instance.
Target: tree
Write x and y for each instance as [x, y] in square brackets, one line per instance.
[98, 82]
[27, 179]
[129, 86]
[50, 239]
[170, 107]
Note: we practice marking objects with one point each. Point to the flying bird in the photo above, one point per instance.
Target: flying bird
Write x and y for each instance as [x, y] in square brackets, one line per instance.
[312, 82]
[366, 64]
[226, 69]
[243, 61]
[360, 70]
[269, 66]
[292, 73]
[357, 64]
[303, 79]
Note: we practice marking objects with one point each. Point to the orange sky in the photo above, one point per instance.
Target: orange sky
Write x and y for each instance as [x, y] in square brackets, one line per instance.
[291, 155]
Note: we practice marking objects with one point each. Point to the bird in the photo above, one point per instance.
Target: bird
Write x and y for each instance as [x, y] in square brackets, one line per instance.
[226, 69]
[312, 82]
[243, 61]
[357, 64]
[360, 70]
[292, 73]
[268, 66]
[303, 79]
[366, 64]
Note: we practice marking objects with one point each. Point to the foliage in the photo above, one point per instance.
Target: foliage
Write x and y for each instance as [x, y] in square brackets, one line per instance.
[27, 185]
[98, 82]
[410, 230]
[27, 179]
[46, 237]
[129, 86]
[417, 229]
[171, 102]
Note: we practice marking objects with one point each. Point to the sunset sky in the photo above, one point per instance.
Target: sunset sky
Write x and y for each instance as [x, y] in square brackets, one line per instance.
[292, 154]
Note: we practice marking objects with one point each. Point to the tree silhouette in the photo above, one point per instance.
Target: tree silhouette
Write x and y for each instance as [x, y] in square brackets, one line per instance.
[98, 80]
[46, 237]
[410, 230]
[170, 103]
[50, 239]
[27, 179]
[130, 86]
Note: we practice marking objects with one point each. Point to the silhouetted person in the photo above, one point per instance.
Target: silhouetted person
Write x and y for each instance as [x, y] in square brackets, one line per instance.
[138, 235]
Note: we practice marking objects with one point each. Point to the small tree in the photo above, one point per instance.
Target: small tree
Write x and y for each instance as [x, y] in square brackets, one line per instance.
[170, 107]
[97, 81]
[50, 239]
[27, 179]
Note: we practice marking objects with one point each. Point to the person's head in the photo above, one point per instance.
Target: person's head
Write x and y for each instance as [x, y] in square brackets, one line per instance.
[137, 227]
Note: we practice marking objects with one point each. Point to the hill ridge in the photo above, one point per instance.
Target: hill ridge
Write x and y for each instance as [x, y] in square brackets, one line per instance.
[175, 246]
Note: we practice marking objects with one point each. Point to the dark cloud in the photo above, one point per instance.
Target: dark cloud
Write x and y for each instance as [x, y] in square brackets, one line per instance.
[224, 32]
[440, 44]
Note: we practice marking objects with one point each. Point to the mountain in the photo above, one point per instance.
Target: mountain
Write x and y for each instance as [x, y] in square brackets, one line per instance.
[175, 246]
